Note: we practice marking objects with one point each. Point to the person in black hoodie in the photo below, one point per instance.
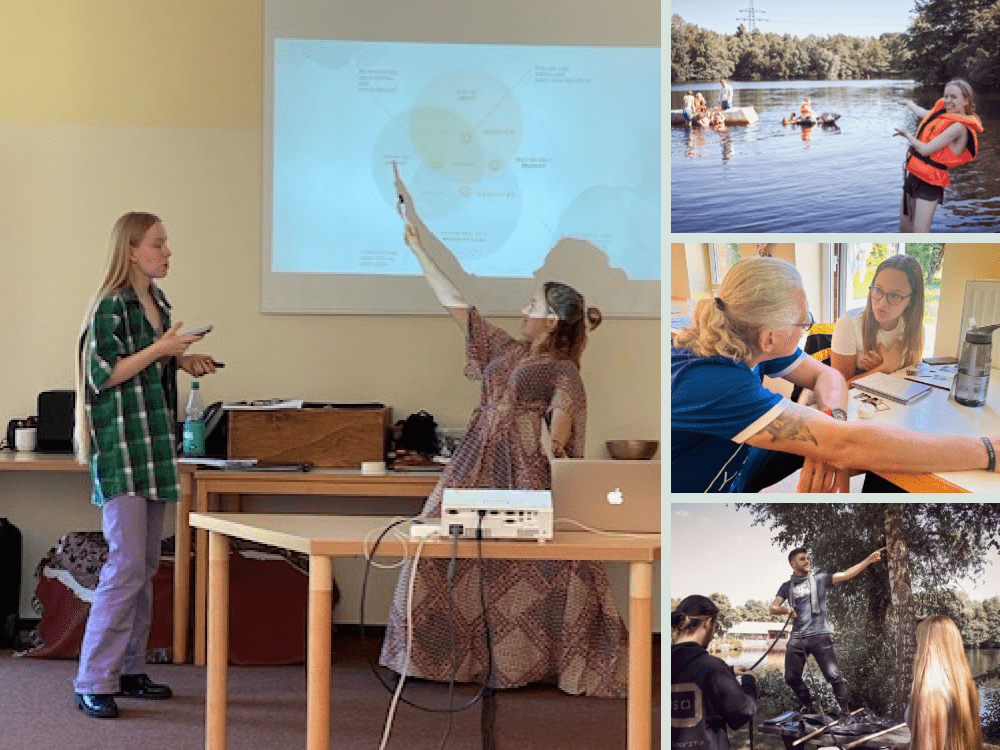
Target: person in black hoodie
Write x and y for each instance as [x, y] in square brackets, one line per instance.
[706, 695]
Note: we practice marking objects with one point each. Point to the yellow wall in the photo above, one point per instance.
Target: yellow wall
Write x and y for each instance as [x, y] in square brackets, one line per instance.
[961, 263]
[111, 106]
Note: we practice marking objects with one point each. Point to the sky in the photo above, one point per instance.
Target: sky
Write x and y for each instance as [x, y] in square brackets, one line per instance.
[861, 18]
[714, 548]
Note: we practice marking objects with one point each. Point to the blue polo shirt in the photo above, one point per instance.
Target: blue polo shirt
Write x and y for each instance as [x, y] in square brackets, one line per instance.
[716, 404]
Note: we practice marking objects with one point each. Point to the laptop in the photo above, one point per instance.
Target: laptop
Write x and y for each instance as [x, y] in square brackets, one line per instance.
[606, 494]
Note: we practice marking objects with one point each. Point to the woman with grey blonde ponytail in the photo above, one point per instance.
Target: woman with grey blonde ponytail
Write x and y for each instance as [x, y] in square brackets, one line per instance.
[721, 413]
[756, 294]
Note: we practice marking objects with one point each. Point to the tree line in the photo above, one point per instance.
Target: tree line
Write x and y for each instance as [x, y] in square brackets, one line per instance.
[978, 621]
[946, 39]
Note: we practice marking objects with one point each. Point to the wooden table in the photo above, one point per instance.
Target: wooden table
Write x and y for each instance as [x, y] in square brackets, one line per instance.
[938, 414]
[326, 537]
[210, 485]
[66, 462]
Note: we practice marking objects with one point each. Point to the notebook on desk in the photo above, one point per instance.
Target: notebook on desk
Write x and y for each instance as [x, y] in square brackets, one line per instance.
[610, 495]
[900, 390]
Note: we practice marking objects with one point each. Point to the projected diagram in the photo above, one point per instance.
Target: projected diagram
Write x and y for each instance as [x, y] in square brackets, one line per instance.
[506, 151]
[457, 143]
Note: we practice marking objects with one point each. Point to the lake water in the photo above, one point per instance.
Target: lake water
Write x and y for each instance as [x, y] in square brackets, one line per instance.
[768, 177]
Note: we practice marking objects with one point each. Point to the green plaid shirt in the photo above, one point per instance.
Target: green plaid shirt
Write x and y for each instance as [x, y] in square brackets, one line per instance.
[133, 424]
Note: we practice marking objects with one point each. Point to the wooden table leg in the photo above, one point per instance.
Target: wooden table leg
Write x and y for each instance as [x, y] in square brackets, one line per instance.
[218, 642]
[200, 579]
[182, 570]
[640, 657]
[318, 656]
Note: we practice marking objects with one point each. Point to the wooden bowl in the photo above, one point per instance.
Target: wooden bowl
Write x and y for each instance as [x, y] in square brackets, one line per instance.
[632, 450]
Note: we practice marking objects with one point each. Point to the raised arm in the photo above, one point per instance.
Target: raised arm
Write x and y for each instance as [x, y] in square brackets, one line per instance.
[852, 571]
[443, 287]
[915, 108]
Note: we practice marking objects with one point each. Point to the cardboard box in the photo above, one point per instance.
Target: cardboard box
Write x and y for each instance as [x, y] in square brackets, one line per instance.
[337, 438]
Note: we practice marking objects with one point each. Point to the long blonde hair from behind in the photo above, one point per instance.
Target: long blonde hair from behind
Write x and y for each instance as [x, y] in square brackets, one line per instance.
[913, 315]
[944, 702]
[756, 295]
[127, 234]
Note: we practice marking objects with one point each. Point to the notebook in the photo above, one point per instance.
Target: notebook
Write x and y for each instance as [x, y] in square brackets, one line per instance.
[895, 389]
[606, 494]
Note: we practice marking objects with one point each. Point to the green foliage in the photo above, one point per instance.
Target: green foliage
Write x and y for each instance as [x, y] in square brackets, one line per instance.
[928, 255]
[774, 697]
[991, 717]
[868, 664]
[698, 54]
[955, 39]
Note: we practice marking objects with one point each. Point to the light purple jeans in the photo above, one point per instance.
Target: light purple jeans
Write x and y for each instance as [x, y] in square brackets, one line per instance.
[114, 642]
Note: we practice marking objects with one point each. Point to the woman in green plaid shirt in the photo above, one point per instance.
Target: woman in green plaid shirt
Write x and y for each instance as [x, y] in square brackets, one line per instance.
[126, 431]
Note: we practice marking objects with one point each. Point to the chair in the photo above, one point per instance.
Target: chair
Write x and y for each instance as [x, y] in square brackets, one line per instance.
[817, 345]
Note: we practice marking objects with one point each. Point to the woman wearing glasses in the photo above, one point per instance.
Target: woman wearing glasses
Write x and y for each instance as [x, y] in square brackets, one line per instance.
[720, 409]
[889, 333]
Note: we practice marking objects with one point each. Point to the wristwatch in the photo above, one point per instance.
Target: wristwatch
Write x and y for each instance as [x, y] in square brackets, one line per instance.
[836, 413]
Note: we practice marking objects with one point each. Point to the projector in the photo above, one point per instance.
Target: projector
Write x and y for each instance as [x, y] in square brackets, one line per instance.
[500, 514]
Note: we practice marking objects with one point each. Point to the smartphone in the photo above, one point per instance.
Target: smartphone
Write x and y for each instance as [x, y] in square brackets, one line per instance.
[198, 331]
[940, 360]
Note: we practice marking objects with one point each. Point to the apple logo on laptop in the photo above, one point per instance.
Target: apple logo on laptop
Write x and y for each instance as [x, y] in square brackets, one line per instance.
[615, 497]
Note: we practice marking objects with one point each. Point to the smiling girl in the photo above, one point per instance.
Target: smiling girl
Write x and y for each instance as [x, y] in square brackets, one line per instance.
[946, 137]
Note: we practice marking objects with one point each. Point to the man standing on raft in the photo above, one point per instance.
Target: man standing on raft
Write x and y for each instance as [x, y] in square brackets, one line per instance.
[806, 596]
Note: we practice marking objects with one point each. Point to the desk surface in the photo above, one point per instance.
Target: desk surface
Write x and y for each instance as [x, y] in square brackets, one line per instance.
[939, 414]
[22, 461]
[355, 535]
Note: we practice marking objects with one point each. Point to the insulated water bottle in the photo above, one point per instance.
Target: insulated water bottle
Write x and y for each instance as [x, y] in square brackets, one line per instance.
[973, 377]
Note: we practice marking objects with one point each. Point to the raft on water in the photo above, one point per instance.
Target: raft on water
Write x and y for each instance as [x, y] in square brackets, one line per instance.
[734, 116]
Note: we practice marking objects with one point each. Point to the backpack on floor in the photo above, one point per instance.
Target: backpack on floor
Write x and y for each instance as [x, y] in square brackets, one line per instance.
[10, 582]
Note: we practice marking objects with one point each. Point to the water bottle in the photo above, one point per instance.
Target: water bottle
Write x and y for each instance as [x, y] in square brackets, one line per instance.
[973, 377]
[193, 442]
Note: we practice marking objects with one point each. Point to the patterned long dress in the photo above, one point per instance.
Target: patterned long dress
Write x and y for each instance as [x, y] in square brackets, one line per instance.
[550, 621]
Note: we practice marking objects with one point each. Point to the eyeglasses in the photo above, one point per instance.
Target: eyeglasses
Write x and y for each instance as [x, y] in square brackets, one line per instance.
[891, 297]
[805, 326]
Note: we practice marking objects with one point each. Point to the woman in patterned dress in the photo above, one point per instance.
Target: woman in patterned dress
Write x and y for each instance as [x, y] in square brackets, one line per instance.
[548, 621]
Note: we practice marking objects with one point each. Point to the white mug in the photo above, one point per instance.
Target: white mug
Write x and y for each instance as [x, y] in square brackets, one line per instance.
[26, 438]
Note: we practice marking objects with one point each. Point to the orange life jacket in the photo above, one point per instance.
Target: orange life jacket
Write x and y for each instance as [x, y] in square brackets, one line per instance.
[933, 169]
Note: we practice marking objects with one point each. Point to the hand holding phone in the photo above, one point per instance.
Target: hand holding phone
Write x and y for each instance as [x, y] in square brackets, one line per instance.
[198, 331]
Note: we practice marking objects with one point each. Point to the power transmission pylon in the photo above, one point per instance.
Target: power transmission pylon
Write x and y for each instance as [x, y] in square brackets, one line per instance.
[751, 16]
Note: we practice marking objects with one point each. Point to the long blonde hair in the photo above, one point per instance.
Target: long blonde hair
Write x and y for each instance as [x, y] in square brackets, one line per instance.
[913, 315]
[127, 234]
[944, 702]
[755, 295]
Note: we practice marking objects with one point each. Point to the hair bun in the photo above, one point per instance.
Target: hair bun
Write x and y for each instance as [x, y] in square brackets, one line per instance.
[594, 318]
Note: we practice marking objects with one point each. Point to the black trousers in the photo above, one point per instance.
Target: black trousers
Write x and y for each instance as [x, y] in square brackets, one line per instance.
[821, 648]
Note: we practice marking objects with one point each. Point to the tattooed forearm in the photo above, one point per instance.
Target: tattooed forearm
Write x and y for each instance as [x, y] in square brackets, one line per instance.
[790, 426]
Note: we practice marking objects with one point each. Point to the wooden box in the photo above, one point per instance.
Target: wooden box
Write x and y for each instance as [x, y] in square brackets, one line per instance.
[339, 438]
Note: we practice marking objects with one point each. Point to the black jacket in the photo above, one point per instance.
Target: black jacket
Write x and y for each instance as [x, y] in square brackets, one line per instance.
[706, 696]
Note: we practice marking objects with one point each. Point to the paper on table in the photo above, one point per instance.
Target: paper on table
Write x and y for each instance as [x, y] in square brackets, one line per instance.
[264, 404]
[219, 463]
